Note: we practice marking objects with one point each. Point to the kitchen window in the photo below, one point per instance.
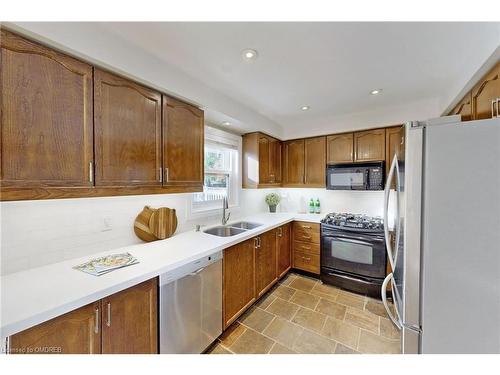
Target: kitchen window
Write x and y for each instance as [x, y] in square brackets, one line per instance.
[222, 175]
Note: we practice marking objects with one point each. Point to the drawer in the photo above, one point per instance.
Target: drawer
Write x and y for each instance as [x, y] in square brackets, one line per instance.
[306, 247]
[306, 232]
[306, 262]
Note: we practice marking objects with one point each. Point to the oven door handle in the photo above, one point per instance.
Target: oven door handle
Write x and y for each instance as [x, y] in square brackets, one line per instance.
[350, 240]
[336, 235]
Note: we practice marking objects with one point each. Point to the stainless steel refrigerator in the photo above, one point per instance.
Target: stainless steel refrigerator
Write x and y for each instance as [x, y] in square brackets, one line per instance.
[446, 257]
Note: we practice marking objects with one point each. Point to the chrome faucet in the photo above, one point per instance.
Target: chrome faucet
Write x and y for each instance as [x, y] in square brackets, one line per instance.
[225, 206]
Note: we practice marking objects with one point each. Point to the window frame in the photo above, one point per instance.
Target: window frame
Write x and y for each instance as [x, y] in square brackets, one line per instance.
[233, 141]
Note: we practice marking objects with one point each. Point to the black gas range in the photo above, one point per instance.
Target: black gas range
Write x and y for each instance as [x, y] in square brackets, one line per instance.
[353, 254]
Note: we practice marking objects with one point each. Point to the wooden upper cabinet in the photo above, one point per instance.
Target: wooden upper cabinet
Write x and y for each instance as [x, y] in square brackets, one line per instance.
[284, 250]
[183, 143]
[77, 332]
[315, 161]
[293, 159]
[261, 161]
[486, 90]
[265, 262]
[127, 132]
[464, 108]
[275, 161]
[394, 145]
[129, 320]
[340, 148]
[46, 116]
[369, 145]
[264, 160]
[238, 280]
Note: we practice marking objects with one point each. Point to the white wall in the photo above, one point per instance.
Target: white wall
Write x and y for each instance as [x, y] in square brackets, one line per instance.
[35, 233]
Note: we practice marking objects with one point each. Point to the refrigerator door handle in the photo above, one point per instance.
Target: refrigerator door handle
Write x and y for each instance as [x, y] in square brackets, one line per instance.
[398, 213]
[387, 190]
[394, 320]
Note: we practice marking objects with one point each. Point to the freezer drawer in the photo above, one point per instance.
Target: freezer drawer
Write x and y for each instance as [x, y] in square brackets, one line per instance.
[191, 308]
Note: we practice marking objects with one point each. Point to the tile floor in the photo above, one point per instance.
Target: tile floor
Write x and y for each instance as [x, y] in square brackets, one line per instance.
[302, 315]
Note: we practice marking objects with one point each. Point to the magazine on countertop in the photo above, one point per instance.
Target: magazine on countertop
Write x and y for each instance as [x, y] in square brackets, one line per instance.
[100, 266]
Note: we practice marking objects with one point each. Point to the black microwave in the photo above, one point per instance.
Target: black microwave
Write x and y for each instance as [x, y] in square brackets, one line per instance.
[355, 176]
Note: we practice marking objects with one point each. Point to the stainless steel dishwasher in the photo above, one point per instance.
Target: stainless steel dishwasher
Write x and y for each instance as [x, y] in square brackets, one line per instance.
[191, 306]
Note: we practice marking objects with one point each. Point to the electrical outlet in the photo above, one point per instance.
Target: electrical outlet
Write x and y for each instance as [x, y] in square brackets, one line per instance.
[107, 224]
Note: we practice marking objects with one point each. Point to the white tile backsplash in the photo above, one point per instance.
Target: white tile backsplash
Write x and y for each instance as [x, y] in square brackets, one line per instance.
[35, 233]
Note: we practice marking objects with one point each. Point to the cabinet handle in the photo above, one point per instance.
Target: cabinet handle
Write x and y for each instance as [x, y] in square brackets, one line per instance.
[96, 328]
[259, 241]
[256, 242]
[166, 174]
[91, 171]
[306, 247]
[306, 259]
[280, 232]
[108, 322]
[493, 108]
[498, 103]
[161, 174]
[306, 227]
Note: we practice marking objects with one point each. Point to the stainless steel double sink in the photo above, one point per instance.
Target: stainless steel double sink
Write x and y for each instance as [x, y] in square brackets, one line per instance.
[232, 229]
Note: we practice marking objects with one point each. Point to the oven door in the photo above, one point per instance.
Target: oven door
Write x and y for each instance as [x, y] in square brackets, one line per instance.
[346, 178]
[354, 253]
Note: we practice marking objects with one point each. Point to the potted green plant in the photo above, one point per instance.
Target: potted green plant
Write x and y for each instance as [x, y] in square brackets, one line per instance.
[272, 201]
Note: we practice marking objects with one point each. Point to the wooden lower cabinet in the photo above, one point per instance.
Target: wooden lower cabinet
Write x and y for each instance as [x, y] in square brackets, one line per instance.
[265, 262]
[238, 282]
[76, 332]
[129, 320]
[283, 250]
[251, 268]
[123, 323]
[306, 246]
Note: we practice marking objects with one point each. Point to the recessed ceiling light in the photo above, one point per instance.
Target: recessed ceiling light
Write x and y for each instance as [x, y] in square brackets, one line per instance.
[249, 54]
[305, 108]
[226, 123]
[376, 91]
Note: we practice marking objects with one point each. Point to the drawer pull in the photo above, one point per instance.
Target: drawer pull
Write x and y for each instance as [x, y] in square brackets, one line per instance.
[307, 237]
[306, 259]
[306, 247]
[96, 328]
[108, 322]
[306, 227]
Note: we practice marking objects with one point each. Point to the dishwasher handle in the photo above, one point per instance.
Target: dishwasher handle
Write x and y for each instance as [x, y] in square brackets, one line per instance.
[197, 271]
[190, 269]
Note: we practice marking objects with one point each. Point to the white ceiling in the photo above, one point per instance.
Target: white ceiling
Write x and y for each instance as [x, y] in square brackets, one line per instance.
[332, 67]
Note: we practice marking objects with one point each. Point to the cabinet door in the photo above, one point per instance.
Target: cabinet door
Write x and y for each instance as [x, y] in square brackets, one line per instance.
[46, 116]
[129, 320]
[293, 155]
[238, 291]
[315, 162]
[265, 262]
[369, 145]
[275, 161]
[284, 250]
[394, 144]
[127, 132]
[77, 332]
[183, 144]
[464, 108]
[264, 160]
[484, 92]
[340, 148]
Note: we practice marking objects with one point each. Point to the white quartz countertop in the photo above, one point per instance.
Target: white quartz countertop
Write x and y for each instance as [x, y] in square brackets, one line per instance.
[36, 295]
